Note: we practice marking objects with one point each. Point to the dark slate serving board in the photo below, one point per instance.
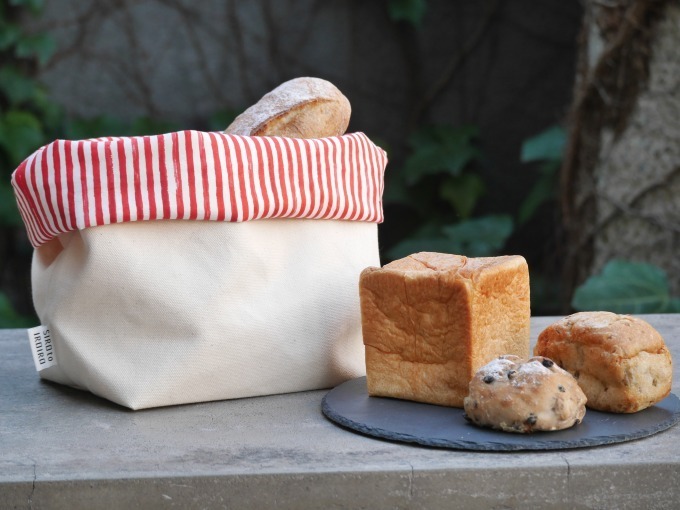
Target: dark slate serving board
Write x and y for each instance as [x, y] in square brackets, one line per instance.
[412, 422]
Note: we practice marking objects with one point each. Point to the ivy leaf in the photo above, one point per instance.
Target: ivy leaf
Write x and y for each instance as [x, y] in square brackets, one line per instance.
[40, 46]
[17, 87]
[463, 192]
[547, 145]
[440, 150]
[9, 34]
[626, 287]
[673, 306]
[480, 237]
[20, 134]
[51, 114]
[411, 11]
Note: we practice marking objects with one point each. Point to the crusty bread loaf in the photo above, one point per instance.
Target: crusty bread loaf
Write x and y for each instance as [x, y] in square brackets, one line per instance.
[621, 362]
[299, 108]
[431, 320]
[517, 395]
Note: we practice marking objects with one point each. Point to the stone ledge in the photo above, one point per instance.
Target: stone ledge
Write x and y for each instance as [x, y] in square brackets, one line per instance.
[63, 448]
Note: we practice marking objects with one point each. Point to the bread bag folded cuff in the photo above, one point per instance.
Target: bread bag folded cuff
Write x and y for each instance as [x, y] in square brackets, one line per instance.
[193, 175]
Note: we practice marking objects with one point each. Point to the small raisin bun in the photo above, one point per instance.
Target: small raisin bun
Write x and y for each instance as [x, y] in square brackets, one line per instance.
[522, 396]
[621, 362]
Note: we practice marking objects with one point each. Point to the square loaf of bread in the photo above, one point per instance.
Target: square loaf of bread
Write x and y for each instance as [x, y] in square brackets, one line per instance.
[431, 320]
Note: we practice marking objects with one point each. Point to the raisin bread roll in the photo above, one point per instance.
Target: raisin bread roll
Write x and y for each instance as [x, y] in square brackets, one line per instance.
[621, 362]
[514, 395]
[299, 108]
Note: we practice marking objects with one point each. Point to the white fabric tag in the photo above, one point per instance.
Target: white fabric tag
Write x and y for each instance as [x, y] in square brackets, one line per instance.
[41, 347]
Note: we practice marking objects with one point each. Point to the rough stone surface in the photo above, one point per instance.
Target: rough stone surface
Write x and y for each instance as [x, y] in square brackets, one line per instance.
[62, 448]
[637, 181]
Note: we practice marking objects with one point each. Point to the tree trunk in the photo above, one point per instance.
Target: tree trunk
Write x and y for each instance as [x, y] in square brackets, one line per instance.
[621, 172]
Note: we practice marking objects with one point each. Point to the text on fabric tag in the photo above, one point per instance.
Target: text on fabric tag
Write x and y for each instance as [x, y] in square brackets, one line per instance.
[42, 347]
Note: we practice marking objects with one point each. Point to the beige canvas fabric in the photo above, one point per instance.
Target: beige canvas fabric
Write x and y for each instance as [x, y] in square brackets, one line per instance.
[157, 313]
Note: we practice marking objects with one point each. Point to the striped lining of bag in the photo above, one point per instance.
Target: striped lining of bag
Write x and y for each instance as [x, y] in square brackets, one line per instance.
[193, 175]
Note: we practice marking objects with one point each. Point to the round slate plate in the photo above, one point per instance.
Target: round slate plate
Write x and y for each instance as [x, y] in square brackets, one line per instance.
[399, 420]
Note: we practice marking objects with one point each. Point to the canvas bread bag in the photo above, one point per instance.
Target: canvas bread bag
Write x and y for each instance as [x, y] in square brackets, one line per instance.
[196, 266]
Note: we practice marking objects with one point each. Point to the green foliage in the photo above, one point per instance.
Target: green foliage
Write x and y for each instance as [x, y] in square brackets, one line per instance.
[16, 86]
[27, 121]
[440, 149]
[547, 146]
[94, 127]
[9, 34]
[439, 163]
[20, 134]
[27, 118]
[411, 11]
[220, 120]
[477, 237]
[9, 318]
[440, 185]
[546, 293]
[462, 192]
[627, 287]
[547, 149]
[9, 213]
[105, 125]
[480, 236]
[40, 46]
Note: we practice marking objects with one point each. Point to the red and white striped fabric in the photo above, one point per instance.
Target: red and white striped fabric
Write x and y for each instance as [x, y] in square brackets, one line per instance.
[69, 185]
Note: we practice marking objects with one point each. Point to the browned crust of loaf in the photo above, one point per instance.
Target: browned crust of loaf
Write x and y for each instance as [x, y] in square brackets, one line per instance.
[464, 267]
[621, 362]
[300, 108]
[431, 320]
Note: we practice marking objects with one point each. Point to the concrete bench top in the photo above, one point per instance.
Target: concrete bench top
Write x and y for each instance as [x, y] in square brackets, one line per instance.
[62, 448]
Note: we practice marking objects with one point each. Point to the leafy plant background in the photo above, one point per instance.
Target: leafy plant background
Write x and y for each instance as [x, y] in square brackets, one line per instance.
[627, 287]
[438, 185]
[27, 120]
